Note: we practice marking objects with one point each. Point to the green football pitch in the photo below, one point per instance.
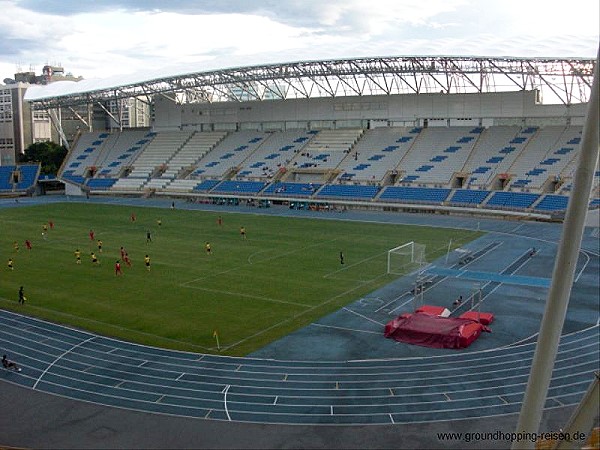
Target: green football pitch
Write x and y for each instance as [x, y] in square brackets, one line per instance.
[284, 275]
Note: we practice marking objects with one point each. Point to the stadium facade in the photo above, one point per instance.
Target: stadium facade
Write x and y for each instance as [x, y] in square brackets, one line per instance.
[399, 131]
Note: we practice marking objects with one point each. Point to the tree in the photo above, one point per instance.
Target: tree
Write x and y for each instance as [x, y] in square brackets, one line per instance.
[49, 154]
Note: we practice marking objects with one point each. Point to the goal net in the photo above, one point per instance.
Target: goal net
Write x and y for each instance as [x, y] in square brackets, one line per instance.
[405, 258]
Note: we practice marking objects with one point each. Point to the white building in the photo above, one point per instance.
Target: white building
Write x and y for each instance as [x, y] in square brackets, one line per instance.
[20, 126]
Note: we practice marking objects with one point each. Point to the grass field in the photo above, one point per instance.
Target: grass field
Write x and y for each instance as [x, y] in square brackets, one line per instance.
[286, 274]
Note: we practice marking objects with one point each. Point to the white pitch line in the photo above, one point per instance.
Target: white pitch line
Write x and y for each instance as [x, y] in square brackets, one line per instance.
[225, 401]
[295, 316]
[392, 301]
[256, 253]
[401, 305]
[364, 317]
[344, 328]
[584, 266]
[255, 297]
[233, 269]
[59, 357]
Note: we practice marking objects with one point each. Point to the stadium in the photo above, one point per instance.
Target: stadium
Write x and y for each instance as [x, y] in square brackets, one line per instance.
[292, 214]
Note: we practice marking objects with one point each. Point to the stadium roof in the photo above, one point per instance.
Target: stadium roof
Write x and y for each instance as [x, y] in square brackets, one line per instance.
[568, 80]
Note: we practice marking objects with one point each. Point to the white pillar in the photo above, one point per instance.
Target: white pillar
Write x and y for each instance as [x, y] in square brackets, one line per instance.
[562, 276]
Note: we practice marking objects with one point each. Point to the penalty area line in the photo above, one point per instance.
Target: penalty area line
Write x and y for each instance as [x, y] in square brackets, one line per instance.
[295, 316]
[239, 294]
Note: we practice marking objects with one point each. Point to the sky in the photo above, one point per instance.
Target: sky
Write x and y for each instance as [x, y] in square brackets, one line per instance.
[107, 38]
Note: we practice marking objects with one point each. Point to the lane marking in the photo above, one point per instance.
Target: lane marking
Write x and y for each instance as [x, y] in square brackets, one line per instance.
[225, 401]
[59, 357]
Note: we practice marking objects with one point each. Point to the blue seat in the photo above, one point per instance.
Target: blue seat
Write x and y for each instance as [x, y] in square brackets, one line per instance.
[438, 158]
[424, 168]
[290, 189]
[553, 203]
[516, 200]
[468, 197]
[414, 194]
[101, 183]
[452, 149]
[239, 187]
[206, 185]
[349, 191]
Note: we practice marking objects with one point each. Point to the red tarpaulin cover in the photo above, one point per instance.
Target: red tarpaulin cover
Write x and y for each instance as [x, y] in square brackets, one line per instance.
[483, 317]
[434, 331]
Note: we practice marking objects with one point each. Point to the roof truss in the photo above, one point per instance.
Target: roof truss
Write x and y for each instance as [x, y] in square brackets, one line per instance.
[568, 81]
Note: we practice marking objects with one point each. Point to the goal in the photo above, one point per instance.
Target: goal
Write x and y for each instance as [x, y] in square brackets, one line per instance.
[405, 258]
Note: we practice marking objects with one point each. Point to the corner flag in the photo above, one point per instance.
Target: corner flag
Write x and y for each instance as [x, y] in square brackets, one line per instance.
[216, 336]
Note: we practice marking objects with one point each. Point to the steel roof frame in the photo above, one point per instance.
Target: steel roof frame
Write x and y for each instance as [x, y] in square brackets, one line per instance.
[568, 79]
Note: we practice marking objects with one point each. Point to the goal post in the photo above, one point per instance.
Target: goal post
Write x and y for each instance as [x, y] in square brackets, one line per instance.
[405, 258]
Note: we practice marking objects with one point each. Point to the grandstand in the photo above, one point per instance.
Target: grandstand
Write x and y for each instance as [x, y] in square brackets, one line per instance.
[451, 167]
[468, 147]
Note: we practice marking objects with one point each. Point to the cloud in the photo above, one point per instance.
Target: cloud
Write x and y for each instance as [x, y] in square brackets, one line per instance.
[344, 15]
[108, 37]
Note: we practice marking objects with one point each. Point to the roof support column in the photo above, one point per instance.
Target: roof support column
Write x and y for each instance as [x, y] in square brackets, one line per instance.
[562, 277]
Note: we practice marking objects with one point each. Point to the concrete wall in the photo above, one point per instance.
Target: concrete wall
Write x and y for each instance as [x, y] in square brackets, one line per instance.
[520, 108]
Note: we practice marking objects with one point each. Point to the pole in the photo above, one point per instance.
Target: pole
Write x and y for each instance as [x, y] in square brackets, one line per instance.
[562, 275]
[448, 252]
